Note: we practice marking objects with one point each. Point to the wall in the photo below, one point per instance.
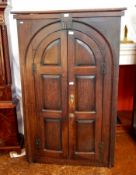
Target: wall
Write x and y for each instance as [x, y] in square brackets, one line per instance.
[16, 5]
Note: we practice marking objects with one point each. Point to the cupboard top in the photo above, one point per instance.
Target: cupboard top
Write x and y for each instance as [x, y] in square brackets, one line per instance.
[74, 13]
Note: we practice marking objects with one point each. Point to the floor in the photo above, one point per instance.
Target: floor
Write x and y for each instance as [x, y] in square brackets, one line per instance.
[125, 163]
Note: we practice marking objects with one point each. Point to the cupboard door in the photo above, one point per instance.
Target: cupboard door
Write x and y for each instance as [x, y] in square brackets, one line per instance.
[68, 91]
[85, 96]
[50, 81]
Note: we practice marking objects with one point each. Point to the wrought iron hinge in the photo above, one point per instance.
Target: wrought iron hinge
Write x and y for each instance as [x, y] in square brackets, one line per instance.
[33, 68]
[66, 21]
[101, 145]
[103, 68]
[37, 143]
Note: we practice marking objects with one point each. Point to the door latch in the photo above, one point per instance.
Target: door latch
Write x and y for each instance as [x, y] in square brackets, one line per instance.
[71, 98]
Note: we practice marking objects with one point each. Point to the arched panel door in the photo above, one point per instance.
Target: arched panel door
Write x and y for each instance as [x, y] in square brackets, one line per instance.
[68, 87]
[50, 81]
[85, 96]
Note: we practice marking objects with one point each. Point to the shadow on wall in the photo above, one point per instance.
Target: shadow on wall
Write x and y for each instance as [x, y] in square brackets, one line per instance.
[14, 64]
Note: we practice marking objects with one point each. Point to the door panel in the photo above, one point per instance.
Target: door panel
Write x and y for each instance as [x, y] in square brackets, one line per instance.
[53, 130]
[85, 110]
[85, 139]
[51, 84]
[85, 56]
[85, 93]
[51, 92]
[52, 54]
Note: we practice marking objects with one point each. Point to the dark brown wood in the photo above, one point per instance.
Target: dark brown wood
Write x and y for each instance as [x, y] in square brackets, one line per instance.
[86, 91]
[75, 13]
[8, 118]
[72, 10]
[69, 72]
[51, 94]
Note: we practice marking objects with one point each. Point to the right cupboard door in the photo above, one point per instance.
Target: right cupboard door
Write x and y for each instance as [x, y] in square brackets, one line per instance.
[85, 93]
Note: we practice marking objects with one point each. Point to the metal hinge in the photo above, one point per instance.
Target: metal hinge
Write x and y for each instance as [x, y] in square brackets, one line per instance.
[101, 145]
[66, 21]
[37, 143]
[103, 68]
[33, 68]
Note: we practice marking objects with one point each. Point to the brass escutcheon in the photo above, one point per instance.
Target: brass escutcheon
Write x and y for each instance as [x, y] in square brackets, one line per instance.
[71, 115]
[71, 98]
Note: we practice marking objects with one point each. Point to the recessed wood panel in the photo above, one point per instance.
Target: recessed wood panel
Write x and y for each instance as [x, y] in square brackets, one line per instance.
[85, 93]
[51, 92]
[53, 134]
[84, 55]
[52, 54]
[85, 136]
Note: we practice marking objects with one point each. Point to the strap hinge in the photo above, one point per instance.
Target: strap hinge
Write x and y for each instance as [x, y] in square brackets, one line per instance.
[101, 146]
[66, 21]
[33, 68]
[103, 68]
[37, 143]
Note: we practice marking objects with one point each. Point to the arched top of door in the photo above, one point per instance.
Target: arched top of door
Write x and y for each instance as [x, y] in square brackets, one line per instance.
[94, 34]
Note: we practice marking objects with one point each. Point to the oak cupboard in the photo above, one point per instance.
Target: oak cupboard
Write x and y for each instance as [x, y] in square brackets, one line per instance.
[69, 69]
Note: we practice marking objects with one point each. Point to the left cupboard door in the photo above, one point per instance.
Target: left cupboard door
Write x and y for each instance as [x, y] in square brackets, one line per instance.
[50, 88]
